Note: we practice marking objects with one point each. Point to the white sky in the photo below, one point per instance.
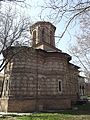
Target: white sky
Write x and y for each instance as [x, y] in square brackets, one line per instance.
[34, 11]
[69, 35]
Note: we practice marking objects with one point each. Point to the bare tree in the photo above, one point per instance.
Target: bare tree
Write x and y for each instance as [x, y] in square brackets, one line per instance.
[64, 11]
[21, 3]
[67, 12]
[81, 50]
[13, 0]
[13, 30]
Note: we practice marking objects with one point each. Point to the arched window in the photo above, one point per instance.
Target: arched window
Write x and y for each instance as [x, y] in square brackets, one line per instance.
[34, 37]
[60, 86]
[83, 90]
[43, 34]
[51, 38]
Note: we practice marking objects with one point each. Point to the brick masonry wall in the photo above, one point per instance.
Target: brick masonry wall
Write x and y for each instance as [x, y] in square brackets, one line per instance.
[36, 105]
[34, 74]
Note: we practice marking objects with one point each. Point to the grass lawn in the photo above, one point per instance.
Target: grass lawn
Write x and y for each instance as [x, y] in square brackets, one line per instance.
[83, 113]
[55, 116]
[50, 116]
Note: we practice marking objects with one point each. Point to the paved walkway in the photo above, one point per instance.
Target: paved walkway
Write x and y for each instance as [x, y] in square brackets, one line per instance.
[17, 114]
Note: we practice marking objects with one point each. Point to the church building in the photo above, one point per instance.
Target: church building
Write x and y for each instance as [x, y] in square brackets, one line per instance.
[39, 77]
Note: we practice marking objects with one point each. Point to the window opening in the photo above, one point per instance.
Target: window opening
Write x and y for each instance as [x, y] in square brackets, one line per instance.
[60, 86]
[34, 36]
[43, 34]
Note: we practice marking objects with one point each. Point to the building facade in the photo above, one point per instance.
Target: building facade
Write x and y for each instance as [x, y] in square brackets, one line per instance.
[41, 77]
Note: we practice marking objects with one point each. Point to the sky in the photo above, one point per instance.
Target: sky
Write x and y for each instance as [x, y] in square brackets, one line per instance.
[34, 12]
[69, 37]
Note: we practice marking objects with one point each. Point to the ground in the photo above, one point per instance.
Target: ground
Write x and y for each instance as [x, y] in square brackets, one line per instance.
[82, 113]
[48, 116]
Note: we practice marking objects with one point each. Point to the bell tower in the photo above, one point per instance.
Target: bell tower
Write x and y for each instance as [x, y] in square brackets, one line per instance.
[43, 36]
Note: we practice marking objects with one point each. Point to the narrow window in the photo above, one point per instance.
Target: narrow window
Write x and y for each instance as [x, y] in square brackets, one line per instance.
[80, 90]
[60, 86]
[83, 89]
[51, 38]
[34, 37]
[43, 34]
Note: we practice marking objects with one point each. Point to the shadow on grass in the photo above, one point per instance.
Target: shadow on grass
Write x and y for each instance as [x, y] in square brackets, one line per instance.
[76, 112]
[83, 109]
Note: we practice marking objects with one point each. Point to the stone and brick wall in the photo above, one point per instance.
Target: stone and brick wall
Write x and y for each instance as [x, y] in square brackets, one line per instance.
[32, 79]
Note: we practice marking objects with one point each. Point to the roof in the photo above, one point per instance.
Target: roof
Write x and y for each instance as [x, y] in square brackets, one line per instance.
[49, 45]
[55, 54]
[10, 50]
[42, 23]
[75, 66]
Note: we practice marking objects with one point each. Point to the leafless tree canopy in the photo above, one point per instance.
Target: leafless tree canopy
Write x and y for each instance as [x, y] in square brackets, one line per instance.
[20, 3]
[13, 31]
[65, 10]
[81, 50]
[13, 0]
